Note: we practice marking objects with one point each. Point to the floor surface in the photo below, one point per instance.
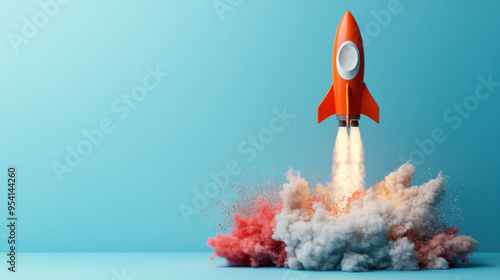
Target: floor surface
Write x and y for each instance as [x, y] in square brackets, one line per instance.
[149, 266]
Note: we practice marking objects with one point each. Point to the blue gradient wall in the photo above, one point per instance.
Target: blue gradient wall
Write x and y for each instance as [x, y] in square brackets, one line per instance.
[230, 65]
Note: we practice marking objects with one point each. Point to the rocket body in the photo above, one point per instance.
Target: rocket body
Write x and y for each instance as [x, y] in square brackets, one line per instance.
[348, 97]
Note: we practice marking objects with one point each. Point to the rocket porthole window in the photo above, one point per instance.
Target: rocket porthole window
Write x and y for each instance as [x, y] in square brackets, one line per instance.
[348, 60]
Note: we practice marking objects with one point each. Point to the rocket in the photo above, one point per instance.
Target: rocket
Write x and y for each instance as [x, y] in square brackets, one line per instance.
[348, 96]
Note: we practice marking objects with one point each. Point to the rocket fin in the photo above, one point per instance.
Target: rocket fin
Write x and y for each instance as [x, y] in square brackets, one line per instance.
[369, 107]
[327, 106]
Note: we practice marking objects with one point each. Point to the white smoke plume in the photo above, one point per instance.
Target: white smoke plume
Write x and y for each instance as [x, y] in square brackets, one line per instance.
[392, 226]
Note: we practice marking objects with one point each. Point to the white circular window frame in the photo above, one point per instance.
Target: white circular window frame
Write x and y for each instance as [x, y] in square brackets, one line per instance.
[348, 74]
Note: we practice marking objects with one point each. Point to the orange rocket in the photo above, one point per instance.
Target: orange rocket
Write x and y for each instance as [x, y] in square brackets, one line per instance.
[348, 96]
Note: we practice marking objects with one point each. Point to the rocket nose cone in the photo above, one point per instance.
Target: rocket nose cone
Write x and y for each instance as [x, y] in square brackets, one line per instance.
[349, 30]
[348, 18]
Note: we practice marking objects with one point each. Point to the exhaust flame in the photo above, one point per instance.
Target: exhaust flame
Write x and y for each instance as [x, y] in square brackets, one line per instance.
[393, 225]
[348, 170]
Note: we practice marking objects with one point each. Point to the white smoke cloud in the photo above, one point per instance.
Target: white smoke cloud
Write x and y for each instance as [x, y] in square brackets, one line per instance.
[371, 235]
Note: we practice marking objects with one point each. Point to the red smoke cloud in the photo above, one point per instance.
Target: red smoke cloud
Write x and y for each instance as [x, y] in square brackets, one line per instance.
[250, 242]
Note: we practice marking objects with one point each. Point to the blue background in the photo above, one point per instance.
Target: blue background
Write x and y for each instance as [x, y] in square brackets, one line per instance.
[226, 76]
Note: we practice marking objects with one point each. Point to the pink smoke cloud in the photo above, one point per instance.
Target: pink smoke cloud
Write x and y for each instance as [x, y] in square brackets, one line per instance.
[250, 242]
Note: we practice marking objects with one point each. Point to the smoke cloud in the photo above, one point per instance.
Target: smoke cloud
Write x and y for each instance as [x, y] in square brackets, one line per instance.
[392, 225]
[251, 242]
